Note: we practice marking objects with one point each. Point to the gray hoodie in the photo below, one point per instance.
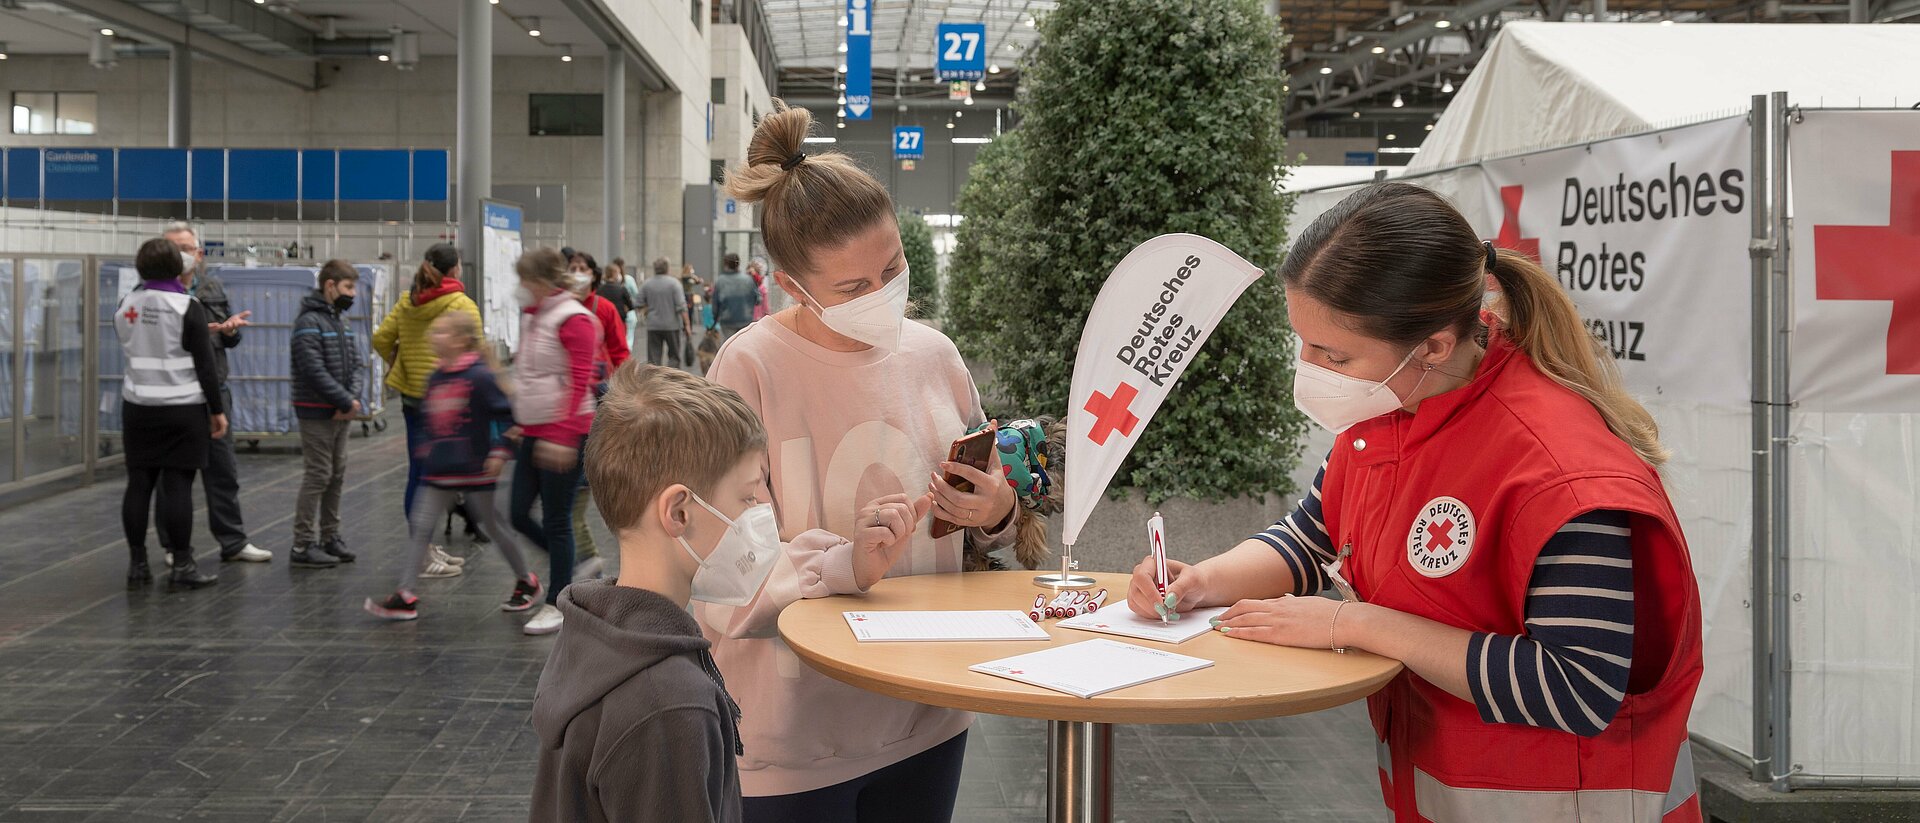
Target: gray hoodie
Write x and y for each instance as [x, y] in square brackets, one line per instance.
[634, 720]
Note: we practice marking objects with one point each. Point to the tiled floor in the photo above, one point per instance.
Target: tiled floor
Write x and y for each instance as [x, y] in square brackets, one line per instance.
[272, 697]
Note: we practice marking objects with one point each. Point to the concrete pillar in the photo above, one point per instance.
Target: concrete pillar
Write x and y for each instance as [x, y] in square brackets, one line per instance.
[1857, 11]
[179, 96]
[473, 145]
[1599, 11]
[614, 146]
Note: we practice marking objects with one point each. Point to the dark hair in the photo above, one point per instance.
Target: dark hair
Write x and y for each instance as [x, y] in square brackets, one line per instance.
[1401, 264]
[541, 265]
[338, 270]
[159, 259]
[811, 201]
[568, 252]
[439, 261]
[732, 261]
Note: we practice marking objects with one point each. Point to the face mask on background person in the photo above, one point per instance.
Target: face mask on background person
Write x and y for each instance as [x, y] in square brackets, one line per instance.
[874, 318]
[188, 262]
[1336, 401]
[733, 572]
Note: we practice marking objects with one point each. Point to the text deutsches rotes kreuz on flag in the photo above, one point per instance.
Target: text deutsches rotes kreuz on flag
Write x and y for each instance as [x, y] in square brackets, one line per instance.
[1156, 310]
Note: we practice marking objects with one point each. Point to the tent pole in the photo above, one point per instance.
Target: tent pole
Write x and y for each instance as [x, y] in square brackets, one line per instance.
[1779, 302]
[1761, 251]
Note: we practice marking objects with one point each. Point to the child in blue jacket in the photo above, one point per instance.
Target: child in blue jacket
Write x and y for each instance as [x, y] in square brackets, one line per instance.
[465, 408]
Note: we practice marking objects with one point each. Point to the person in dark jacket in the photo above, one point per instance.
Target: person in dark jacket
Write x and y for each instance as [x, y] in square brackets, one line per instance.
[170, 407]
[734, 298]
[461, 449]
[326, 391]
[634, 720]
[221, 480]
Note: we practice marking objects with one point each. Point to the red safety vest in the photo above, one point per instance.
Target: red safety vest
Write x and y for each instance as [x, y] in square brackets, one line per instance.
[1444, 512]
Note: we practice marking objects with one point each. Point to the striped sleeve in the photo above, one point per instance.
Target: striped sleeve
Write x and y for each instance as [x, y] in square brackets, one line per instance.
[1569, 671]
[1301, 539]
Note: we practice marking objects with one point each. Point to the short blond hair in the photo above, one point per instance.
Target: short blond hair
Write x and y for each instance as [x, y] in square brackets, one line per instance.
[657, 427]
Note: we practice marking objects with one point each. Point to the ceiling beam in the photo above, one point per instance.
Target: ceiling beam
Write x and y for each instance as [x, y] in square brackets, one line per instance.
[1386, 85]
[297, 72]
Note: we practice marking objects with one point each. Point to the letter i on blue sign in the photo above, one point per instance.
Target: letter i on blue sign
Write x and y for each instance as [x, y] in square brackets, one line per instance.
[859, 60]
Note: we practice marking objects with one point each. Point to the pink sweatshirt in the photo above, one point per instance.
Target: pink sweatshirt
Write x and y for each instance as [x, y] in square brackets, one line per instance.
[843, 428]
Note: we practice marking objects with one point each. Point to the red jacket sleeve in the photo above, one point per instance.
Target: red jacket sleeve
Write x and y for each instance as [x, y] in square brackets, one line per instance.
[615, 331]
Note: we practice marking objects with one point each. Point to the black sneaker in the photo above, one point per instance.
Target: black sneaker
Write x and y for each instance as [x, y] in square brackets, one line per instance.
[338, 548]
[397, 606]
[311, 557]
[139, 574]
[186, 574]
[525, 594]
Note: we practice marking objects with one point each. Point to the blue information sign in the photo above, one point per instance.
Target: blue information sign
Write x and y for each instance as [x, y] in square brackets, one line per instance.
[1362, 158]
[78, 174]
[153, 174]
[960, 51]
[500, 216]
[23, 175]
[374, 174]
[318, 174]
[859, 81]
[266, 175]
[909, 142]
[209, 174]
[430, 175]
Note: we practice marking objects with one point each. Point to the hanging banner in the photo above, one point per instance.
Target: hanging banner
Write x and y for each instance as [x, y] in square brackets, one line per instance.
[909, 142]
[1153, 314]
[859, 77]
[960, 51]
[1855, 253]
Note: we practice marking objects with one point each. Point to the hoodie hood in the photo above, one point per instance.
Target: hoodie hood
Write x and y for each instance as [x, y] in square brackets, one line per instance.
[447, 286]
[316, 300]
[612, 633]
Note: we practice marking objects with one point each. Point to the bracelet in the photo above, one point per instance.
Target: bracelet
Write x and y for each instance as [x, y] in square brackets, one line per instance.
[1333, 625]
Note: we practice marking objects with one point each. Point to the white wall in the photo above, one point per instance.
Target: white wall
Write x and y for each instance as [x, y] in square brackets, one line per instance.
[747, 100]
[367, 104]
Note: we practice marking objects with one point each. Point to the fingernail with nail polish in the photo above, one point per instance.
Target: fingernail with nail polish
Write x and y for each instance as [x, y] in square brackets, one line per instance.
[1214, 622]
[1172, 600]
[1226, 629]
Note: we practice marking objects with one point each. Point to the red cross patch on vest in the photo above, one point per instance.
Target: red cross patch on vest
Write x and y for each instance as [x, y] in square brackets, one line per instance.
[1441, 538]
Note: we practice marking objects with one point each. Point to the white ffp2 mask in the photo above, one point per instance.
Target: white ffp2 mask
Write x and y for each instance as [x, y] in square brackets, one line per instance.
[1337, 401]
[740, 563]
[874, 319]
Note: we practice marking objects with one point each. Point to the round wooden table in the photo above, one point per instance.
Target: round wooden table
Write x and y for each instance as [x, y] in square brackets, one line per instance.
[1248, 680]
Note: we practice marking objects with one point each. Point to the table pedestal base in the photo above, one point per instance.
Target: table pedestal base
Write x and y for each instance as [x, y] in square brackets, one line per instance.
[1079, 772]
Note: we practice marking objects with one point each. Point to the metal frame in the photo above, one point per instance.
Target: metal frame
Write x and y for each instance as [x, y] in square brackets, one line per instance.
[89, 411]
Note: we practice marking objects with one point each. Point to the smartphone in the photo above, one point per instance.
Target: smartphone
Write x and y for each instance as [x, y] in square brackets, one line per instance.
[975, 450]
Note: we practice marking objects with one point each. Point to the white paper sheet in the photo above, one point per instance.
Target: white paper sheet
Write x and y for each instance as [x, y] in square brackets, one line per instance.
[1093, 667]
[1116, 618]
[899, 627]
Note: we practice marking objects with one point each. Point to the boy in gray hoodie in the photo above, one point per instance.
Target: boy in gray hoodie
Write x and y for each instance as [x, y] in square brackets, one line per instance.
[635, 722]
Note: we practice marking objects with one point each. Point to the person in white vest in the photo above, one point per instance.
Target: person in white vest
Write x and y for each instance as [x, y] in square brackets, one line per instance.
[170, 402]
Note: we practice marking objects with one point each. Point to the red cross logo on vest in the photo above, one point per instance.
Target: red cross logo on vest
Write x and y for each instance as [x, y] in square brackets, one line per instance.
[1441, 538]
[1509, 236]
[1880, 263]
[133, 315]
[1111, 414]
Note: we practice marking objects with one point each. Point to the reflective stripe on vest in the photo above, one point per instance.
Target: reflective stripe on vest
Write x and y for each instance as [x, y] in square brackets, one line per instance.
[1442, 803]
[159, 371]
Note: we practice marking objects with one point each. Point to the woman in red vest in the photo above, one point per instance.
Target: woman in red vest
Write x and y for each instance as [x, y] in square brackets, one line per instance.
[1493, 517]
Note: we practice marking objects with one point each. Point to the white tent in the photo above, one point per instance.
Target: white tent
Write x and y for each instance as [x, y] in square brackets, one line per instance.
[1555, 84]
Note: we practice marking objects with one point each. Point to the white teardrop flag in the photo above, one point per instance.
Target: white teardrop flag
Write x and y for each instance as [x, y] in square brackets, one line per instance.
[1153, 314]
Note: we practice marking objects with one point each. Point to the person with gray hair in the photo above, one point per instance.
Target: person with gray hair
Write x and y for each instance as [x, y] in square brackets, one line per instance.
[664, 302]
[221, 479]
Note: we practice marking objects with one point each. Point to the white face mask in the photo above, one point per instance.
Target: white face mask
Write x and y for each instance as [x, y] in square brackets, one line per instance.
[874, 318]
[525, 297]
[1337, 401]
[733, 572]
[188, 262]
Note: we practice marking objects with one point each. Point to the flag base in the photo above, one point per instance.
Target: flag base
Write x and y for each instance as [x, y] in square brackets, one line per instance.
[1064, 582]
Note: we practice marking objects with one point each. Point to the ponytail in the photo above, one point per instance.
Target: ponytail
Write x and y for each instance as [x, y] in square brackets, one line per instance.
[426, 279]
[439, 261]
[1541, 320]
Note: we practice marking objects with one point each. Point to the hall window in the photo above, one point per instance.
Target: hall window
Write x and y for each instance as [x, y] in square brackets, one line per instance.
[51, 112]
[564, 115]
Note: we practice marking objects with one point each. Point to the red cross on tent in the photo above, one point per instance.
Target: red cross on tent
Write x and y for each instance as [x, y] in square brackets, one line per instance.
[1880, 263]
[1509, 236]
[1111, 413]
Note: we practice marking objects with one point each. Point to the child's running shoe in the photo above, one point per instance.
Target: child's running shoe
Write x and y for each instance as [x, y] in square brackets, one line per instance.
[525, 594]
[398, 606]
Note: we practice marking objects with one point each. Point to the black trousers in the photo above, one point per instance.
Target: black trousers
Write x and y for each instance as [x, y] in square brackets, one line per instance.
[221, 481]
[663, 347]
[176, 522]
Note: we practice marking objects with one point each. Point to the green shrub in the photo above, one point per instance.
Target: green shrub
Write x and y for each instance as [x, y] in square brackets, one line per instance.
[916, 241]
[1138, 118]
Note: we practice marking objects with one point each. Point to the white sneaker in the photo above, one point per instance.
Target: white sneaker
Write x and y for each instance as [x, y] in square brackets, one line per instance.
[167, 558]
[545, 621]
[252, 554]
[436, 568]
[440, 554]
[590, 569]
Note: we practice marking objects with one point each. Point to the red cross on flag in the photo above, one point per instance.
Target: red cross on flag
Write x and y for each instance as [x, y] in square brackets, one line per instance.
[1153, 314]
[1856, 258]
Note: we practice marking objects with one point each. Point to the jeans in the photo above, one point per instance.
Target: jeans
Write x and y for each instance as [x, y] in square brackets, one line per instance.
[416, 432]
[554, 531]
[323, 448]
[663, 347]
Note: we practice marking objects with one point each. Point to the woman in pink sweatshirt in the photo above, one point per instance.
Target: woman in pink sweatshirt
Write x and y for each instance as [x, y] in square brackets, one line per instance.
[553, 409]
[858, 404]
